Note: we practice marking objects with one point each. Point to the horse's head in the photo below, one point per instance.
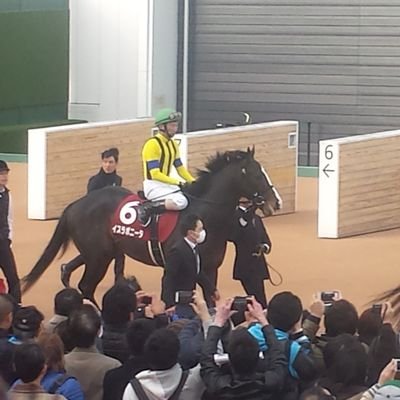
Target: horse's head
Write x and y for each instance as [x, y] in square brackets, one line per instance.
[254, 183]
[245, 176]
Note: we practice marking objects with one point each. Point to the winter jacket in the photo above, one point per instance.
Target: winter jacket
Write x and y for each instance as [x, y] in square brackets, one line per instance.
[115, 380]
[113, 342]
[222, 384]
[160, 385]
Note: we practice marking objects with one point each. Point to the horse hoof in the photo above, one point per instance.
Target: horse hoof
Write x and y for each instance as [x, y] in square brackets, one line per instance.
[65, 275]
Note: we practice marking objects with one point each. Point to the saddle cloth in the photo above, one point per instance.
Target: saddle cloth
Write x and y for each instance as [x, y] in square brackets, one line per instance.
[125, 222]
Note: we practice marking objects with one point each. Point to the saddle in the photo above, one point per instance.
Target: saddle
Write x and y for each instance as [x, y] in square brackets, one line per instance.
[125, 223]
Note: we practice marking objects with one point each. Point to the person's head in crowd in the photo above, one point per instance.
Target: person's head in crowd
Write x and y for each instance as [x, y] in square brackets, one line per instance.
[27, 322]
[137, 333]
[346, 360]
[53, 350]
[316, 393]
[369, 325]
[109, 160]
[118, 304]
[6, 312]
[63, 331]
[161, 349]
[341, 317]
[29, 362]
[178, 325]
[243, 351]
[284, 311]
[84, 326]
[66, 301]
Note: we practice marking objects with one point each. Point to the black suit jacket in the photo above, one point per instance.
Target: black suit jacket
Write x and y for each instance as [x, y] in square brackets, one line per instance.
[181, 273]
[248, 232]
[116, 380]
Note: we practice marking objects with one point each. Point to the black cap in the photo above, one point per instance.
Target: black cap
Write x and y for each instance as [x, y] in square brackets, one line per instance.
[28, 319]
[3, 166]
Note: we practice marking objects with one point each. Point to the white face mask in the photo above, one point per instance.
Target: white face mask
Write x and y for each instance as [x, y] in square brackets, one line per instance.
[202, 237]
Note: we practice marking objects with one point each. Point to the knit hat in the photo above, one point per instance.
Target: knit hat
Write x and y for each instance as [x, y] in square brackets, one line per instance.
[28, 319]
[3, 166]
[389, 391]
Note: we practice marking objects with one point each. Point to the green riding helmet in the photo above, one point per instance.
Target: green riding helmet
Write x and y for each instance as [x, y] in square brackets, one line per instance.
[167, 115]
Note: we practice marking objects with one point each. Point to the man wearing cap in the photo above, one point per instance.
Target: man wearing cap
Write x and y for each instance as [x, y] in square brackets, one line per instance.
[160, 153]
[7, 261]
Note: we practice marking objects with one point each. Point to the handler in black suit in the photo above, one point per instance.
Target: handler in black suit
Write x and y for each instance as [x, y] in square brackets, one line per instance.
[251, 242]
[183, 264]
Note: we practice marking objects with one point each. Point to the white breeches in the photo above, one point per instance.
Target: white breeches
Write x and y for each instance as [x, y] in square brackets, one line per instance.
[156, 190]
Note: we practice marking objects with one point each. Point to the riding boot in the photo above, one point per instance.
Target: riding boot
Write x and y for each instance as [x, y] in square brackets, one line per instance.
[148, 209]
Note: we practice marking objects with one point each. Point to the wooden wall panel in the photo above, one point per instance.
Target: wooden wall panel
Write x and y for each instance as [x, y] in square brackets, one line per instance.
[73, 155]
[368, 195]
[271, 143]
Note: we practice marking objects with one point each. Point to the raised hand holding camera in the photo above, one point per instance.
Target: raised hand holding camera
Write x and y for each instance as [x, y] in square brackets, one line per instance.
[224, 312]
[317, 308]
[199, 306]
[256, 310]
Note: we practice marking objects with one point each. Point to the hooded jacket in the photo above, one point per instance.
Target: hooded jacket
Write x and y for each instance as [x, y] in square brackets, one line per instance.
[160, 385]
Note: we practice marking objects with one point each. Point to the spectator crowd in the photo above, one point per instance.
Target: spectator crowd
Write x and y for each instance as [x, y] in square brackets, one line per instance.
[135, 348]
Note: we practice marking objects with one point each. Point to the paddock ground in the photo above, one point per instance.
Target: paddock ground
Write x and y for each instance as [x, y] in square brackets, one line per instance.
[360, 267]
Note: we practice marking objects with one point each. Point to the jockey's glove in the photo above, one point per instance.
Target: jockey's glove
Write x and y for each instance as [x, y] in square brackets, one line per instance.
[183, 185]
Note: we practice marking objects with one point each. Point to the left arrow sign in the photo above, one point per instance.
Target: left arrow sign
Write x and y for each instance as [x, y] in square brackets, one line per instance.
[326, 170]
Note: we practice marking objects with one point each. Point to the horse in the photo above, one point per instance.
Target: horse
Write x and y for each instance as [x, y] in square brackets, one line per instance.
[213, 197]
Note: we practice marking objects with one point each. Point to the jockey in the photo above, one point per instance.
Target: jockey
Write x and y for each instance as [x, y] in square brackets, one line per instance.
[160, 153]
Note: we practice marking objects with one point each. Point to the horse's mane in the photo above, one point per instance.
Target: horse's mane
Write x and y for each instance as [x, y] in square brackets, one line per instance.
[213, 165]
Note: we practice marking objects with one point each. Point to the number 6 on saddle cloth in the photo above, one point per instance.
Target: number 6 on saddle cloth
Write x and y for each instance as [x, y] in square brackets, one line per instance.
[125, 222]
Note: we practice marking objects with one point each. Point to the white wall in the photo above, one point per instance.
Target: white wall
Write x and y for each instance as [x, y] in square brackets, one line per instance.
[111, 58]
[165, 49]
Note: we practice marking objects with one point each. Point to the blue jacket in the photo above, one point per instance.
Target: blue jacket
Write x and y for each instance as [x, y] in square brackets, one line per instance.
[70, 389]
[295, 347]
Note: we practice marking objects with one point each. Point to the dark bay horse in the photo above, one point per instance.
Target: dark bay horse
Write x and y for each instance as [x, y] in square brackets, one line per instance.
[213, 197]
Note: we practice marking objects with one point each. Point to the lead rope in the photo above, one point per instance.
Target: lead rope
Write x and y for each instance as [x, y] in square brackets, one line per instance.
[277, 273]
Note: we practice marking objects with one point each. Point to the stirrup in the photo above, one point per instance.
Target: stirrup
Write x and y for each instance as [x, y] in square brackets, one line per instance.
[144, 215]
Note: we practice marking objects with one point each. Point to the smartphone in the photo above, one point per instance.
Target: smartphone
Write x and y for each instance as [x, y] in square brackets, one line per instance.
[183, 297]
[329, 297]
[377, 309]
[397, 364]
[240, 303]
[146, 300]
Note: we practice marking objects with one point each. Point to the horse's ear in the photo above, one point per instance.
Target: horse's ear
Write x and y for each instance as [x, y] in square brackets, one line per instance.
[251, 151]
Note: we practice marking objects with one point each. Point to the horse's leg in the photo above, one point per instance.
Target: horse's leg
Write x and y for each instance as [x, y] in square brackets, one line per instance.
[119, 266]
[95, 270]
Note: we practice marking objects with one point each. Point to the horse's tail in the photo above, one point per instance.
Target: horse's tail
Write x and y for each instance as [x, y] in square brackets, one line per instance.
[59, 240]
[392, 295]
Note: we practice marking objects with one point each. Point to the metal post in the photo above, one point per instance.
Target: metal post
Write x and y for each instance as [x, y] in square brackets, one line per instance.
[308, 143]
